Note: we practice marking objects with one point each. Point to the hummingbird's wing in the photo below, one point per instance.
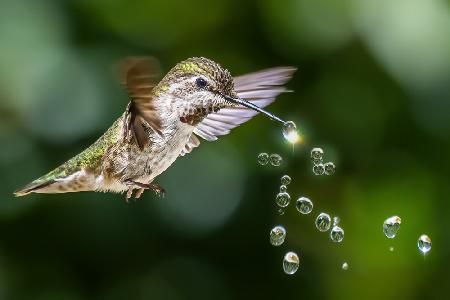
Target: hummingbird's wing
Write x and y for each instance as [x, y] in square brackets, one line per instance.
[260, 88]
[139, 76]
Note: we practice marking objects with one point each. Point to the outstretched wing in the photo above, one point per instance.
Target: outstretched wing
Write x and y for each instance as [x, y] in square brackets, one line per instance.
[139, 76]
[260, 88]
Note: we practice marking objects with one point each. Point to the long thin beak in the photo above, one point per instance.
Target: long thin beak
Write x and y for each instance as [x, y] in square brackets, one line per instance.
[250, 105]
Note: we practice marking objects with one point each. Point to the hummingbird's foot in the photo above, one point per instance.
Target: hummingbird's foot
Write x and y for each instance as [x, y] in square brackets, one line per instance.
[143, 186]
[159, 191]
[139, 193]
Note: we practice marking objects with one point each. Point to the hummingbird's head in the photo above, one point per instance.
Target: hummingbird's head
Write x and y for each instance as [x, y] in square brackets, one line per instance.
[197, 87]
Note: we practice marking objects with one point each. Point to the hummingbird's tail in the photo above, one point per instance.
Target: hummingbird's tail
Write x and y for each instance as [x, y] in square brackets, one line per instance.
[59, 180]
[33, 187]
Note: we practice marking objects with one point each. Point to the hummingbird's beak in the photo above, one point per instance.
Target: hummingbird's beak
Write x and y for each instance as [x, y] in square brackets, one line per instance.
[250, 105]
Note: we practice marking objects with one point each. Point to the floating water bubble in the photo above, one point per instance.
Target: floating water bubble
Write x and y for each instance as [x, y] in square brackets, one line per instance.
[323, 222]
[318, 169]
[337, 234]
[391, 226]
[336, 220]
[290, 263]
[290, 132]
[330, 168]
[304, 205]
[345, 266]
[317, 154]
[275, 160]
[317, 161]
[283, 199]
[263, 158]
[283, 189]
[285, 180]
[277, 235]
[424, 243]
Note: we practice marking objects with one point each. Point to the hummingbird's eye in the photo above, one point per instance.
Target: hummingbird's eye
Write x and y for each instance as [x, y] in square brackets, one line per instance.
[200, 82]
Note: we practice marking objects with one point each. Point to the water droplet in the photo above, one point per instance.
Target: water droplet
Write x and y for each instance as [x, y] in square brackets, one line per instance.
[391, 226]
[424, 243]
[277, 235]
[336, 220]
[290, 263]
[323, 222]
[285, 180]
[345, 266]
[304, 205]
[283, 199]
[316, 154]
[317, 161]
[330, 168]
[283, 189]
[263, 159]
[391, 248]
[275, 160]
[337, 234]
[290, 132]
[318, 169]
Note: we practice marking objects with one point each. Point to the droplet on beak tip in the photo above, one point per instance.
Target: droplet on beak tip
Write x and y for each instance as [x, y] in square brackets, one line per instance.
[290, 132]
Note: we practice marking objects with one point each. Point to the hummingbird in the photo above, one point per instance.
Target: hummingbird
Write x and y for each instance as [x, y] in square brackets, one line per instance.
[163, 120]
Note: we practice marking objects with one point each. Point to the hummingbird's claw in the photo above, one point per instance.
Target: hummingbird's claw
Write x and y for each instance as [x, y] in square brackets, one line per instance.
[159, 191]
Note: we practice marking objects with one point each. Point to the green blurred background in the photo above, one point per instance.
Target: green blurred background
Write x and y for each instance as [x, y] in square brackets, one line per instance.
[373, 89]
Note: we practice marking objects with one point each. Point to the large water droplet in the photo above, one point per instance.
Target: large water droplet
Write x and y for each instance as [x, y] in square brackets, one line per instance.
[391, 226]
[304, 205]
[277, 235]
[290, 263]
[263, 158]
[290, 132]
[337, 234]
[285, 180]
[317, 154]
[318, 169]
[424, 243]
[283, 199]
[345, 266]
[275, 160]
[330, 168]
[323, 222]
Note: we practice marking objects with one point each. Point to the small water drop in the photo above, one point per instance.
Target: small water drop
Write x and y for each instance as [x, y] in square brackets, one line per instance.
[285, 180]
[290, 263]
[283, 189]
[318, 169]
[424, 243]
[337, 234]
[317, 154]
[391, 248]
[290, 132]
[277, 235]
[345, 266]
[317, 161]
[330, 168]
[391, 226]
[323, 222]
[263, 158]
[304, 205]
[275, 160]
[283, 199]
[336, 220]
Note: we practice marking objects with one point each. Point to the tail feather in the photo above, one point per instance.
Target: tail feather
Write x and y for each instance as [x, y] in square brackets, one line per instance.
[33, 187]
